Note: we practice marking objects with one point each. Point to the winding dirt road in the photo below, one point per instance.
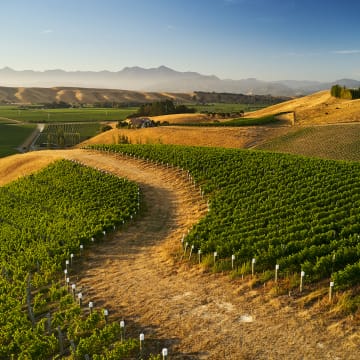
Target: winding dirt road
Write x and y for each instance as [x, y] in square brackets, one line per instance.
[136, 273]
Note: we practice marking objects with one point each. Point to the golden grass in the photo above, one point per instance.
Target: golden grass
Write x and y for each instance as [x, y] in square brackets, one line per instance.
[229, 137]
[318, 108]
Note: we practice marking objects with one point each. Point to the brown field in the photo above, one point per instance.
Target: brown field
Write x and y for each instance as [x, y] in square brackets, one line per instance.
[237, 137]
[137, 274]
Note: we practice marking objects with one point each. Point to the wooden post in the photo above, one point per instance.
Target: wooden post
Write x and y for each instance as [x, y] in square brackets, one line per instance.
[232, 261]
[28, 301]
[61, 341]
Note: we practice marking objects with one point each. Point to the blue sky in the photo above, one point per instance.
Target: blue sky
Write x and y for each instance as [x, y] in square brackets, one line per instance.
[266, 39]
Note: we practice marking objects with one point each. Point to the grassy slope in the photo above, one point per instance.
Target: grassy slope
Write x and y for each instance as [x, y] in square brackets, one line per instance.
[338, 142]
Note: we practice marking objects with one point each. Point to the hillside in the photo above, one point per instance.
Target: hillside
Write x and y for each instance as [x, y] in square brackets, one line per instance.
[33, 95]
[318, 108]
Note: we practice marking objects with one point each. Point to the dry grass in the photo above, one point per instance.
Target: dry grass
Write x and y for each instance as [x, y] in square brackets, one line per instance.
[236, 137]
[85, 95]
[183, 118]
[318, 108]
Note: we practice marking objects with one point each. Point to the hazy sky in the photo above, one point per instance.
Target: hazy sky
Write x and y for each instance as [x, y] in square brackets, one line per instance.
[266, 39]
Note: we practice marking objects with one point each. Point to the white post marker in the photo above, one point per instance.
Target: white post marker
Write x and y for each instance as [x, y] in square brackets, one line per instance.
[142, 338]
[80, 296]
[91, 305]
[65, 273]
[199, 254]
[302, 274]
[191, 250]
[331, 290]
[92, 239]
[232, 261]
[215, 255]
[71, 258]
[81, 248]
[67, 264]
[122, 330]
[67, 282]
[106, 314]
[73, 288]
[164, 353]
[276, 272]
[253, 261]
[104, 232]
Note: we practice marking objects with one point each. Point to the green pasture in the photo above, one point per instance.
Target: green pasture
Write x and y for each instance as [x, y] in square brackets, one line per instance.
[226, 108]
[32, 115]
[12, 136]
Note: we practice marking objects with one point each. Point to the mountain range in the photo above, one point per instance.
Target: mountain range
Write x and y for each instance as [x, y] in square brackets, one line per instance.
[162, 79]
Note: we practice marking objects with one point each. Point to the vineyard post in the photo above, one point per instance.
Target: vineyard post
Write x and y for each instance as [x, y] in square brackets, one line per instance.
[232, 261]
[71, 259]
[81, 249]
[215, 255]
[122, 330]
[65, 273]
[302, 274]
[48, 322]
[186, 245]
[253, 261]
[142, 338]
[164, 353]
[199, 253]
[67, 264]
[106, 314]
[61, 341]
[92, 239]
[331, 290]
[191, 250]
[80, 298]
[67, 283]
[91, 305]
[73, 288]
[276, 272]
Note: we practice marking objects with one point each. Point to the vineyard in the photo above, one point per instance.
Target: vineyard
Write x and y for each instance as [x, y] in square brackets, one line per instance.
[47, 220]
[66, 135]
[270, 215]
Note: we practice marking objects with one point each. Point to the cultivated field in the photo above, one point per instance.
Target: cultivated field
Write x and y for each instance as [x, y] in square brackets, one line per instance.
[64, 115]
[135, 275]
[143, 275]
[12, 136]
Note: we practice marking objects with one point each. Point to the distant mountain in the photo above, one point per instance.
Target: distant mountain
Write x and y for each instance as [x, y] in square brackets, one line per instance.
[160, 79]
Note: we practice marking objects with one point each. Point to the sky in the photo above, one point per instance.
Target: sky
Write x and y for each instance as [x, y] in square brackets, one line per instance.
[237, 39]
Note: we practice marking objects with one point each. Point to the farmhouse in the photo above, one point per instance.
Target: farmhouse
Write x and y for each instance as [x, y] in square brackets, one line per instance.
[141, 122]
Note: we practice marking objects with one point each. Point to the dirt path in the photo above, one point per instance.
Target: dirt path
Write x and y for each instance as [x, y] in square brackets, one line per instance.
[195, 314]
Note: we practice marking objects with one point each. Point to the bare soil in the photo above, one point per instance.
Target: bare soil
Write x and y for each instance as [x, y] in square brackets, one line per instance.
[138, 275]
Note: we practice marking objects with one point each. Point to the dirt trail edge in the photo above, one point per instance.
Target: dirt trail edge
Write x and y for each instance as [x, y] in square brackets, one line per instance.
[197, 315]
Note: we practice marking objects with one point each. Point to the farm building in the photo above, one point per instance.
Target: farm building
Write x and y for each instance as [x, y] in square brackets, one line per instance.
[140, 122]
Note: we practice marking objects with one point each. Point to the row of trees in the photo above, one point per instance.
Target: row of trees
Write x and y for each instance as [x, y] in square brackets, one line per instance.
[343, 93]
[161, 108]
